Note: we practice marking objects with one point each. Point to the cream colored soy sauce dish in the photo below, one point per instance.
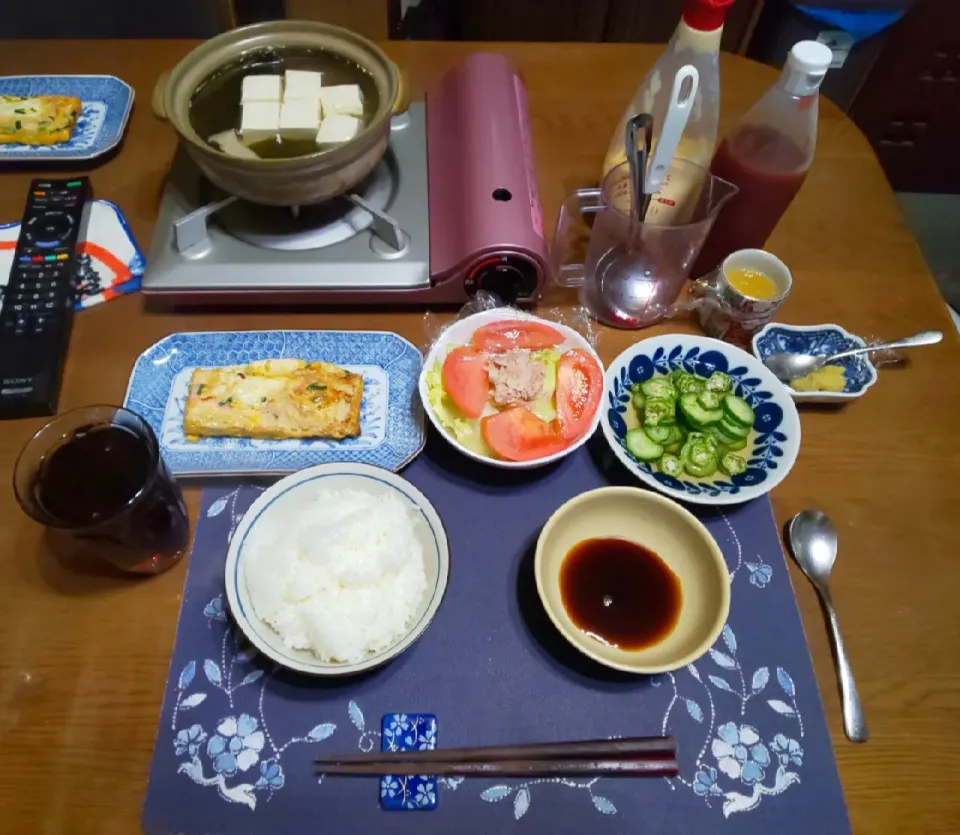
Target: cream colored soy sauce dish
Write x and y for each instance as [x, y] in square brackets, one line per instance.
[662, 526]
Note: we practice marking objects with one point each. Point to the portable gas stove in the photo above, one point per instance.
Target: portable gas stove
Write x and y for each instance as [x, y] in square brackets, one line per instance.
[451, 208]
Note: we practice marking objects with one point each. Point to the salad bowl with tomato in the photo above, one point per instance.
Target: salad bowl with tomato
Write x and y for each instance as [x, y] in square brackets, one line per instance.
[512, 390]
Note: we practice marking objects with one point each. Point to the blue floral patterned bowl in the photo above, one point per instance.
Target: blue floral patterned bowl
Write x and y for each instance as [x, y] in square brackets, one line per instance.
[818, 340]
[774, 446]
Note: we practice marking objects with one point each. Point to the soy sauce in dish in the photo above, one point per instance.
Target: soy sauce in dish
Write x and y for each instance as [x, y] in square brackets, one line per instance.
[620, 593]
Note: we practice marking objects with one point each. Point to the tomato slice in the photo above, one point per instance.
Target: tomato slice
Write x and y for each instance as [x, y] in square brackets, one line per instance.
[509, 334]
[579, 391]
[466, 380]
[517, 434]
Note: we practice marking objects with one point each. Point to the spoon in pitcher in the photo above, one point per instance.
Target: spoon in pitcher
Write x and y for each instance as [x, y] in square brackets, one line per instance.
[788, 367]
[813, 541]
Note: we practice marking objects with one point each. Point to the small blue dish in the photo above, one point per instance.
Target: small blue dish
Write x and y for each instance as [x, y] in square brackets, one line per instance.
[408, 732]
[774, 445]
[106, 103]
[820, 341]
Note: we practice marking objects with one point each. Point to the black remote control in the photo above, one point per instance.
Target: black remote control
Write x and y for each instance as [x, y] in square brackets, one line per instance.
[37, 309]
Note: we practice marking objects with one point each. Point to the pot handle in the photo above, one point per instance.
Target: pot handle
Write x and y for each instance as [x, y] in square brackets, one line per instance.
[402, 102]
[156, 100]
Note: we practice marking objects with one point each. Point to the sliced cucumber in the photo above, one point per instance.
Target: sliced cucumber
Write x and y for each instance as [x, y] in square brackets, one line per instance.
[723, 437]
[677, 434]
[676, 439]
[658, 434]
[671, 465]
[696, 415]
[738, 410]
[733, 464]
[640, 446]
[659, 410]
[690, 424]
[734, 429]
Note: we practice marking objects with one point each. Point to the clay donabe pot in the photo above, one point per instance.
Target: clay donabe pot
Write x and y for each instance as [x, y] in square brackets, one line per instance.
[311, 178]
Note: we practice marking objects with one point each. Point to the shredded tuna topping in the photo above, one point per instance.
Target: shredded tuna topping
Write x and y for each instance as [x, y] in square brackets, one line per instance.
[516, 377]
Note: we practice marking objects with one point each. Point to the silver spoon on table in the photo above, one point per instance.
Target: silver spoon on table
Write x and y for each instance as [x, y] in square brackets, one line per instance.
[813, 541]
[788, 367]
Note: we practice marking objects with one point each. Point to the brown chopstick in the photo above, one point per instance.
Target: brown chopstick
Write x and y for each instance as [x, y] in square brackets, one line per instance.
[624, 749]
[661, 766]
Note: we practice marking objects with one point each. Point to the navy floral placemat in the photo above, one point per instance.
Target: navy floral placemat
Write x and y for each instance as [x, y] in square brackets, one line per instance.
[237, 737]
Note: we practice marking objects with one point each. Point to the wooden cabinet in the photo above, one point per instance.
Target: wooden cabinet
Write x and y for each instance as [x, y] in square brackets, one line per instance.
[531, 20]
[636, 21]
[370, 18]
[653, 21]
[909, 106]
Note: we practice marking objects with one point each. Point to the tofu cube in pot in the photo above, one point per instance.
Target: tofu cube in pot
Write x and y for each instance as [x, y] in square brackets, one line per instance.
[341, 98]
[260, 88]
[302, 84]
[338, 128]
[299, 119]
[259, 121]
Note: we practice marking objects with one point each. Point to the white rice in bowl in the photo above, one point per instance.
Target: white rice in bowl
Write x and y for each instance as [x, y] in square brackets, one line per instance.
[341, 575]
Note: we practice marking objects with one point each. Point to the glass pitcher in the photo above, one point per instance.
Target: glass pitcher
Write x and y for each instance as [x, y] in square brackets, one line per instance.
[634, 270]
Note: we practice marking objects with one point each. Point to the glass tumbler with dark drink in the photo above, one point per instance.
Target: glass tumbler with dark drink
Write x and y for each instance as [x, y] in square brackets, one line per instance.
[95, 476]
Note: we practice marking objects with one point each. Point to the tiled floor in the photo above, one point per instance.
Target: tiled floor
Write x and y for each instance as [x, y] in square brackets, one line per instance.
[934, 220]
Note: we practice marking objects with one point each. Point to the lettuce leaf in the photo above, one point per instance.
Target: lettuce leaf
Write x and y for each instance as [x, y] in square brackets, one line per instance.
[544, 406]
[465, 430]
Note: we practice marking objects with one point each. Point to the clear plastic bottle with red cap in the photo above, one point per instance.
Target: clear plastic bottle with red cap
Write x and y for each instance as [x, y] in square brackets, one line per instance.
[767, 155]
[696, 41]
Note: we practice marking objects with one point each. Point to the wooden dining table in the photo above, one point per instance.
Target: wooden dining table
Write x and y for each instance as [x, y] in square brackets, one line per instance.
[84, 654]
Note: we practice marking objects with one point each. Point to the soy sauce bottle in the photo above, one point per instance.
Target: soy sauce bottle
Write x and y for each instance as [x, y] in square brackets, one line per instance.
[767, 156]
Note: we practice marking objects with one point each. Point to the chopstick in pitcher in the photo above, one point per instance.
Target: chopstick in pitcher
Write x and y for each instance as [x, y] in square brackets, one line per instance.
[629, 748]
[665, 766]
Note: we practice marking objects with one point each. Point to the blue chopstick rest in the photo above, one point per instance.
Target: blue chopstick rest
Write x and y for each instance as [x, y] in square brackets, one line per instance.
[408, 732]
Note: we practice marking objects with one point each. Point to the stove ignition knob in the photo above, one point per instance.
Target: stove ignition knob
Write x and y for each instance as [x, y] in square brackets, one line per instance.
[508, 276]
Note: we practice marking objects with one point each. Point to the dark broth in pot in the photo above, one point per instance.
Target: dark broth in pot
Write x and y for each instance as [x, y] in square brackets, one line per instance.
[215, 106]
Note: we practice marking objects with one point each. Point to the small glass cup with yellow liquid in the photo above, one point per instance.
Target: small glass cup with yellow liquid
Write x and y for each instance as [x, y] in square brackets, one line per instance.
[742, 295]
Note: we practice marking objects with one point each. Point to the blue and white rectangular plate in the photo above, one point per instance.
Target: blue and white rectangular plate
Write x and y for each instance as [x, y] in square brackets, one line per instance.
[391, 415]
[106, 102]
